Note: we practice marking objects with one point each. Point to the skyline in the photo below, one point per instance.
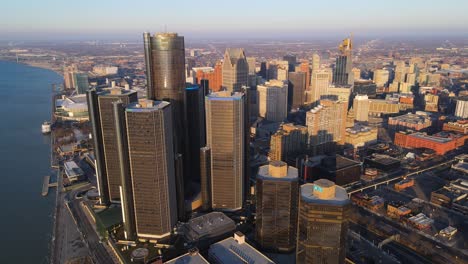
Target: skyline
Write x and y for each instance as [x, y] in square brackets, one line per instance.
[51, 19]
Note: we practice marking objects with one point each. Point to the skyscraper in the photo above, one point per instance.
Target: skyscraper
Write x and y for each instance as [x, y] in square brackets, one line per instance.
[80, 82]
[361, 106]
[319, 86]
[213, 75]
[126, 189]
[287, 141]
[104, 135]
[151, 156]
[235, 70]
[277, 195]
[296, 89]
[165, 74]
[315, 62]
[194, 112]
[68, 76]
[343, 74]
[292, 60]
[461, 109]
[225, 130]
[326, 125]
[322, 223]
[381, 77]
[273, 100]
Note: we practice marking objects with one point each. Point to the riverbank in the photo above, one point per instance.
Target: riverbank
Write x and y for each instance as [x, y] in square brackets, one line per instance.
[42, 64]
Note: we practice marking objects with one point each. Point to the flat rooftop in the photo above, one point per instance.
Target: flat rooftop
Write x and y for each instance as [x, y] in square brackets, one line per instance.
[263, 173]
[146, 106]
[189, 258]
[232, 251]
[209, 225]
[340, 198]
[225, 95]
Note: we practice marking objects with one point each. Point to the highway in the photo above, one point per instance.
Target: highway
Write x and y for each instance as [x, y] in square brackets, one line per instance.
[399, 176]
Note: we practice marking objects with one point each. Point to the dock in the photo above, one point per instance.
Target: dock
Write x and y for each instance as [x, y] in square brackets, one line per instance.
[46, 185]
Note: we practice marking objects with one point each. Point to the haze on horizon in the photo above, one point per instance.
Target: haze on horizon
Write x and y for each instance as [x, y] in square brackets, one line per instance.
[123, 19]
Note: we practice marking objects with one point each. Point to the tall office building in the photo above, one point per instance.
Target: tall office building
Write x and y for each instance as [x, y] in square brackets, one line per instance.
[315, 62]
[322, 223]
[356, 73]
[319, 86]
[273, 100]
[251, 61]
[361, 107]
[277, 197]
[105, 140]
[68, 76]
[326, 125]
[213, 75]
[296, 89]
[151, 156]
[381, 77]
[235, 70]
[304, 67]
[194, 119]
[263, 70]
[343, 74]
[292, 61]
[126, 189]
[225, 133]
[80, 82]
[165, 74]
[287, 142]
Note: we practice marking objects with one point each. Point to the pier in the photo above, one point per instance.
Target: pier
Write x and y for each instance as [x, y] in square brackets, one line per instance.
[46, 185]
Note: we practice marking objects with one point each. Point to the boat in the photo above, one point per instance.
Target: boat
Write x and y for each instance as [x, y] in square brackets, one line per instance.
[46, 127]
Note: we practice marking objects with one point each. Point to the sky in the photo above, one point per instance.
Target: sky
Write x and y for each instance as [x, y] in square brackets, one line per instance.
[94, 19]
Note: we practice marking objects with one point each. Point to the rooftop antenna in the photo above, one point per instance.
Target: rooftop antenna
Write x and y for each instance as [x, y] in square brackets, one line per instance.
[165, 28]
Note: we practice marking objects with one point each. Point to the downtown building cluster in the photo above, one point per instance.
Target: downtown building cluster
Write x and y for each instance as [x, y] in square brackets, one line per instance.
[186, 147]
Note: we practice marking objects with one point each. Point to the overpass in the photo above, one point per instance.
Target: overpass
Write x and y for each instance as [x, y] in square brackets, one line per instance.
[351, 190]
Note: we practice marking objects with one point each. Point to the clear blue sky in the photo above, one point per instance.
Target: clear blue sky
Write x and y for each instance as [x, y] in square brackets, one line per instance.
[220, 18]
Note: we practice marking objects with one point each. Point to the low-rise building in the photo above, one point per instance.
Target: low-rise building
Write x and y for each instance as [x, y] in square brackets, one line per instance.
[421, 221]
[236, 250]
[441, 143]
[382, 162]
[192, 257]
[360, 135]
[418, 121]
[207, 229]
[460, 126]
[73, 171]
[445, 196]
[73, 108]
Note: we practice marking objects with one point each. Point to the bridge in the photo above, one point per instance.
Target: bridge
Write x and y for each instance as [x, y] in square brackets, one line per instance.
[350, 190]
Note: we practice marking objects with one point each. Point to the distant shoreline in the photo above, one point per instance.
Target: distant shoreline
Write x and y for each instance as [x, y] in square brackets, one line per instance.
[40, 65]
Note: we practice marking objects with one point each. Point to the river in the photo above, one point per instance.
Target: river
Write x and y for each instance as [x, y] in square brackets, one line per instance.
[26, 217]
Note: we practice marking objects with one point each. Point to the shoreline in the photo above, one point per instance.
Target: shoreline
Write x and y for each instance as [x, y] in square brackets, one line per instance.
[40, 65]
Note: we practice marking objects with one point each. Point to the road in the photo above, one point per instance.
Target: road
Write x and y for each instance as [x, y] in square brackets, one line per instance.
[402, 253]
[99, 253]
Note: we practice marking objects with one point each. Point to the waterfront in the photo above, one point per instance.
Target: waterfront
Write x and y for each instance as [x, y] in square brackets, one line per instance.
[27, 217]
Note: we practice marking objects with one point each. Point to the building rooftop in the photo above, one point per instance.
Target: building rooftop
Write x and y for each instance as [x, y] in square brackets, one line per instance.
[336, 195]
[287, 173]
[225, 95]
[145, 105]
[72, 169]
[189, 258]
[383, 159]
[235, 250]
[210, 225]
[418, 118]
